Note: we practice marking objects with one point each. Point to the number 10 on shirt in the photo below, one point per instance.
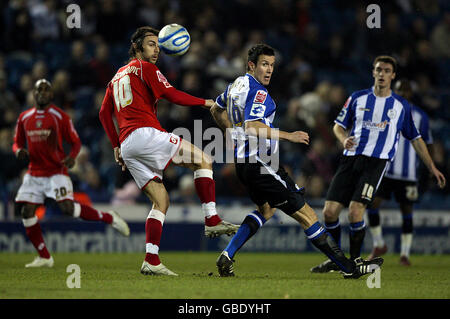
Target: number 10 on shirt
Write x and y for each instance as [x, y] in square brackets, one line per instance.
[122, 92]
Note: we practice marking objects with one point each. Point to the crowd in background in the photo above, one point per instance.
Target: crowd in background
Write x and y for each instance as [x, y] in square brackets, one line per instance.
[324, 53]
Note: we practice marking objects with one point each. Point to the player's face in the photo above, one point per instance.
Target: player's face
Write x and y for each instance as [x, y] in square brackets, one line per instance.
[263, 69]
[150, 48]
[43, 93]
[383, 73]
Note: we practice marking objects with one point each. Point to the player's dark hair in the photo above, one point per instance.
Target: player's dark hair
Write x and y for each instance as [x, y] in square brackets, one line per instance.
[257, 50]
[386, 59]
[138, 38]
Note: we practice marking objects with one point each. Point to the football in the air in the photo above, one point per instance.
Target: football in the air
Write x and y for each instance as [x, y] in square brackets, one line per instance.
[174, 39]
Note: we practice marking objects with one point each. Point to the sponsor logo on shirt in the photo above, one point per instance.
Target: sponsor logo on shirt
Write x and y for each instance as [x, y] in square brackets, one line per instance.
[258, 110]
[260, 96]
[162, 79]
[375, 126]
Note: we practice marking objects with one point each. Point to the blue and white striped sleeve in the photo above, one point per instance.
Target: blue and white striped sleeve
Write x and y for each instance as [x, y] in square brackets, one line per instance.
[221, 100]
[345, 117]
[409, 130]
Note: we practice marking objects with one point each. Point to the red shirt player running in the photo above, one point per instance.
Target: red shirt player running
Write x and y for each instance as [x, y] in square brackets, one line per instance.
[42, 129]
[146, 149]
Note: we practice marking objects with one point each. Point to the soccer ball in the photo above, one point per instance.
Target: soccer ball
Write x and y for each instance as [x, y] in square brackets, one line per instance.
[174, 39]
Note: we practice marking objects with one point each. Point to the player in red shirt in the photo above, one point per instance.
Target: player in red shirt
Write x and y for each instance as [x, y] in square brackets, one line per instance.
[42, 129]
[146, 149]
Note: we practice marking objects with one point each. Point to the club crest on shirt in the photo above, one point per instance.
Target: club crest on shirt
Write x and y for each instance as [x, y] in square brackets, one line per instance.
[260, 96]
[391, 114]
[162, 79]
[173, 140]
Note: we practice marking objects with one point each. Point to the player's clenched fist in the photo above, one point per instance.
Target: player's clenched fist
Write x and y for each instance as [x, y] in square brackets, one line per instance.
[349, 143]
[118, 158]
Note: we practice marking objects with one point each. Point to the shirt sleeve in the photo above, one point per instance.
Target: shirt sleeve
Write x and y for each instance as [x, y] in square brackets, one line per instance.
[409, 130]
[345, 117]
[71, 136]
[163, 89]
[221, 100]
[255, 105]
[19, 136]
[425, 130]
[106, 118]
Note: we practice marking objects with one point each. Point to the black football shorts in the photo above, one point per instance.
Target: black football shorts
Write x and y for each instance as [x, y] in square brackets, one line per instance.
[266, 185]
[357, 179]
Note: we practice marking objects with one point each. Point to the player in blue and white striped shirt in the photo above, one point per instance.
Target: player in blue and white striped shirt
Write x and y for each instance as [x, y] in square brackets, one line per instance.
[375, 118]
[401, 180]
[247, 110]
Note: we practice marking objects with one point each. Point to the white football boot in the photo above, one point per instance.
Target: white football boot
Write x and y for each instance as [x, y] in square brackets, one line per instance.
[119, 224]
[222, 228]
[148, 269]
[41, 262]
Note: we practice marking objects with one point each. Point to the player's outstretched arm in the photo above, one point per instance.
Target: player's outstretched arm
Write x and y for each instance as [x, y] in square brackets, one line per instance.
[259, 129]
[421, 149]
[220, 116]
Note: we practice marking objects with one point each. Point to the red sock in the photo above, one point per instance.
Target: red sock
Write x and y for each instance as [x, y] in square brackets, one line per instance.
[34, 233]
[206, 191]
[89, 213]
[212, 220]
[153, 232]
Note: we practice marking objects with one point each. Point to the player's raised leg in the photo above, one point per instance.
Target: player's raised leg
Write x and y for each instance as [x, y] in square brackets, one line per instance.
[34, 233]
[325, 243]
[157, 193]
[251, 224]
[195, 159]
[331, 213]
[86, 212]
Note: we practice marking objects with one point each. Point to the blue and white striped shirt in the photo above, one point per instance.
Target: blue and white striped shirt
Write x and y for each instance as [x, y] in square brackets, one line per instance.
[404, 164]
[248, 100]
[376, 123]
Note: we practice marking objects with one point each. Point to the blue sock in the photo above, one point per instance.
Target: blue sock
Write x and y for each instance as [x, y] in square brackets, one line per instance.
[326, 244]
[357, 234]
[407, 225]
[334, 229]
[248, 228]
[374, 216]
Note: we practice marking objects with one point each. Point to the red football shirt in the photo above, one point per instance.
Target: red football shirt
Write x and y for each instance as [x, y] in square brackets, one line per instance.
[42, 132]
[132, 96]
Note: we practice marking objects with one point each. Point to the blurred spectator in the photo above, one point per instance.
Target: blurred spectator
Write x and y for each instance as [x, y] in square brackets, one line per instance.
[63, 94]
[100, 66]
[45, 20]
[39, 71]
[9, 107]
[78, 66]
[440, 37]
[19, 27]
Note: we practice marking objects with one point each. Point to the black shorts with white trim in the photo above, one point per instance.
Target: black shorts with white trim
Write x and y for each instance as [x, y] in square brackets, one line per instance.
[357, 179]
[265, 185]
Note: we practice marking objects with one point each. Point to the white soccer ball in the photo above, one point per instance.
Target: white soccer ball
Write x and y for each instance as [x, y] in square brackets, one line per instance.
[174, 39]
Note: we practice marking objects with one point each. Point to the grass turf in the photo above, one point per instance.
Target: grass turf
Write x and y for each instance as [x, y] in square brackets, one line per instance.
[258, 276]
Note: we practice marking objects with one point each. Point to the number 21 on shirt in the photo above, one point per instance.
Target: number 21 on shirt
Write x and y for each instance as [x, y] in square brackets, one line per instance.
[122, 92]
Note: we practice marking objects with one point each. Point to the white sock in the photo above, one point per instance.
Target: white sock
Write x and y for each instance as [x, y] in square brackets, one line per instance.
[406, 240]
[209, 209]
[377, 236]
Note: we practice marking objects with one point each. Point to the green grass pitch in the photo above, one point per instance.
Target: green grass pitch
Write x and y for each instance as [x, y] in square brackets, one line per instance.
[258, 276]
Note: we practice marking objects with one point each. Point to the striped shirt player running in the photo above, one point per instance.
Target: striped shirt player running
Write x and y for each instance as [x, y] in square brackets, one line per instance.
[375, 118]
[247, 109]
[401, 181]
[146, 149]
